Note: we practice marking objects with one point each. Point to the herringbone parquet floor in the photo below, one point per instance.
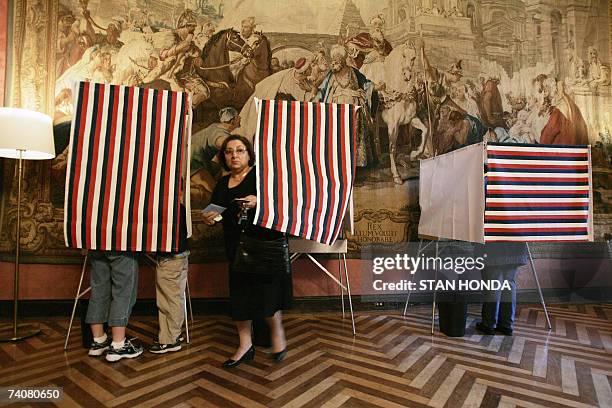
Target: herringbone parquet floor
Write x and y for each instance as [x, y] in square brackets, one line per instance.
[392, 362]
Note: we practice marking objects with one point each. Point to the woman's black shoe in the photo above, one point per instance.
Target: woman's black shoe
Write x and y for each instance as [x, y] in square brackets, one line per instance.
[278, 357]
[248, 356]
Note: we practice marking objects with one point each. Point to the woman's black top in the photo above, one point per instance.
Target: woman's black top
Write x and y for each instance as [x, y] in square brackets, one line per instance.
[224, 196]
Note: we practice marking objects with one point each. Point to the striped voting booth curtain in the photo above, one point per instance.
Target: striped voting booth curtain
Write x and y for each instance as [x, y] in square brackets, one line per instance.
[124, 167]
[305, 167]
[538, 193]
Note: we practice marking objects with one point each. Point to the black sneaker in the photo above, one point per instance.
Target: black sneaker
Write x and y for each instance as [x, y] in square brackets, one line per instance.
[506, 331]
[97, 349]
[127, 351]
[159, 348]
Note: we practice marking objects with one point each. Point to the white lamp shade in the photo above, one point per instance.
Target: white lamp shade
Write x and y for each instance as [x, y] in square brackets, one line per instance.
[26, 131]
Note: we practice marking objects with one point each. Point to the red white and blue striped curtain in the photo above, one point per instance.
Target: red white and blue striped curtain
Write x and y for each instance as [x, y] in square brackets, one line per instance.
[127, 152]
[305, 155]
[538, 193]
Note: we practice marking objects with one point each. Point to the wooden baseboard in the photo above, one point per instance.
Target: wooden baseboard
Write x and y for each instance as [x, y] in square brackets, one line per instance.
[203, 307]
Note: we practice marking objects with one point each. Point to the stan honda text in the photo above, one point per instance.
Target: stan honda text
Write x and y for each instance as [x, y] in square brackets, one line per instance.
[441, 285]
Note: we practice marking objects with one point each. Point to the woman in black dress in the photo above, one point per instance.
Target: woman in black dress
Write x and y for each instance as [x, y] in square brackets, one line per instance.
[252, 296]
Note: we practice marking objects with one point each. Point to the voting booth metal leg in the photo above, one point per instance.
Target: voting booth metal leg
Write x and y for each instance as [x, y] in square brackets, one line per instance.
[433, 305]
[537, 281]
[188, 294]
[79, 295]
[326, 271]
[348, 288]
[412, 276]
[186, 317]
[341, 289]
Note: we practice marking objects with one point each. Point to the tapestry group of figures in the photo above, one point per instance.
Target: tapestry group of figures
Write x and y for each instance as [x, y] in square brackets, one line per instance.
[432, 76]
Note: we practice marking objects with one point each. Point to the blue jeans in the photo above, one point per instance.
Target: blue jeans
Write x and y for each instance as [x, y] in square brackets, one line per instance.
[499, 305]
[114, 282]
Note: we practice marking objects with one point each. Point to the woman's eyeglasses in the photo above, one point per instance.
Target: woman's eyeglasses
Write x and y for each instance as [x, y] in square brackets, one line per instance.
[229, 152]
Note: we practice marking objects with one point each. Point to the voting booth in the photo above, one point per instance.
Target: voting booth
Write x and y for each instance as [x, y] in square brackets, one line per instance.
[493, 192]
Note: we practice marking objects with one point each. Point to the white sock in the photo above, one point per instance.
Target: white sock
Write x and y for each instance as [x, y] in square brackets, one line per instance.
[118, 344]
[100, 339]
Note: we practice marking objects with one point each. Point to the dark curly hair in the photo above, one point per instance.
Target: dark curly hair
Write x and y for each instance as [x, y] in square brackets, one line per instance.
[246, 142]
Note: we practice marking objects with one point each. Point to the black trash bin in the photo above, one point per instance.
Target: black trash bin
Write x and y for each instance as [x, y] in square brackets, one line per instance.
[452, 312]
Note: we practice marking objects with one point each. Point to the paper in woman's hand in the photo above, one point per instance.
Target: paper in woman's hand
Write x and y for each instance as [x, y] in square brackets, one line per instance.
[214, 207]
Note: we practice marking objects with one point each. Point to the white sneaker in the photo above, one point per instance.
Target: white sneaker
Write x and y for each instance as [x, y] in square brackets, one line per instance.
[97, 349]
[127, 351]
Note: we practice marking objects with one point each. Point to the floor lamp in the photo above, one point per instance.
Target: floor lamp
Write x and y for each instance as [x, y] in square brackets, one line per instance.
[24, 134]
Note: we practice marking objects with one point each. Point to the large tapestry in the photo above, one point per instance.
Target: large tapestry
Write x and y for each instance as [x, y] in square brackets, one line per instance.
[432, 76]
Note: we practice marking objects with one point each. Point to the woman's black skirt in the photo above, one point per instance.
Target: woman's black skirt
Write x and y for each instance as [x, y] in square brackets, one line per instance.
[256, 295]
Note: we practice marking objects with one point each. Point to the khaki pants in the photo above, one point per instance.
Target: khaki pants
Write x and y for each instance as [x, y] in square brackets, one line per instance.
[170, 281]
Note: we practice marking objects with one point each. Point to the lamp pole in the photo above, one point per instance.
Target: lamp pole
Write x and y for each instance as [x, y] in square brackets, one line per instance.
[30, 333]
[17, 245]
